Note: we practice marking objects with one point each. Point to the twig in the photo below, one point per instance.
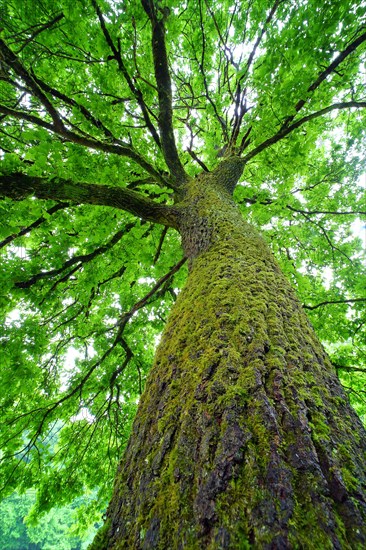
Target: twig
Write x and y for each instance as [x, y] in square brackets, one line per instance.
[33, 225]
[327, 302]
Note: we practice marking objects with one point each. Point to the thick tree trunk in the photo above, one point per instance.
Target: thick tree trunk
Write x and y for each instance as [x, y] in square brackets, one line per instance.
[244, 437]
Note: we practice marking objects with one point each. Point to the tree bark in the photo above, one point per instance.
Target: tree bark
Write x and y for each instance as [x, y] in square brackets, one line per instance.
[243, 437]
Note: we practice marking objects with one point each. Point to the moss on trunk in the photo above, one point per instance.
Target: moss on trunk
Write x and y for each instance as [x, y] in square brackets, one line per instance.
[244, 437]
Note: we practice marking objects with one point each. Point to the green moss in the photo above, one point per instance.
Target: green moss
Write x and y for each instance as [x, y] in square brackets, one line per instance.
[101, 539]
[350, 481]
[238, 375]
[320, 429]
[307, 527]
[233, 394]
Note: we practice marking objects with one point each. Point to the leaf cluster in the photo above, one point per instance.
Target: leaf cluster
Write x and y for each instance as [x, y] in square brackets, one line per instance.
[138, 97]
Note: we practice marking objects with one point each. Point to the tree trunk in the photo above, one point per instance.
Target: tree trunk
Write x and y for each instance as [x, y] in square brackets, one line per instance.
[244, 437]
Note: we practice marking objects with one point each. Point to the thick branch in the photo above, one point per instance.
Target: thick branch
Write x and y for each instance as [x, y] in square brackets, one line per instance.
[163, 82]
[121, 150]
[19, 186]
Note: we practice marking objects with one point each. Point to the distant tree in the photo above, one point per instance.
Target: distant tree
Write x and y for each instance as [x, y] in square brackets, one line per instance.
[13, 531]
[126, 125]
[52, 531]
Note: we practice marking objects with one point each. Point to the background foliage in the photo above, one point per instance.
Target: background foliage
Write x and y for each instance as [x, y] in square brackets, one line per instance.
[80, 91]
[54, 530]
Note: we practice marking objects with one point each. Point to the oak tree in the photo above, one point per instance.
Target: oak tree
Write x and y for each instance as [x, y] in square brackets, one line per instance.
[125, 127]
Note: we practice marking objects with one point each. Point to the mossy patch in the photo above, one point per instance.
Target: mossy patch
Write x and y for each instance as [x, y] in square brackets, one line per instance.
[242, 419]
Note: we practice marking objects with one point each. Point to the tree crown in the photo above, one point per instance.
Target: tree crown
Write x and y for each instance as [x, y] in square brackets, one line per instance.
[107, 109]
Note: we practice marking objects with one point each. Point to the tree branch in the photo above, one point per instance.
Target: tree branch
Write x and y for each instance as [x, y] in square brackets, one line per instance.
[326, 236]
[33, 225]
[351, 301]
[197, 159]
[83, 110]
[163, 82]
[135, 91]
[40, 29]
[332, 212]
[348, 369]
[240, 96]
[19, 186]
[160, 245]
[286, 130]
[125, 317]
[324, 74]
[201, 67]
[12, 61]
[122, 150]
[78, 261]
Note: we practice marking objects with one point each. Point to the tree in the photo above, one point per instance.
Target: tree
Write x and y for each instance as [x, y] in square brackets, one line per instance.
[124, 125]
[51, 532]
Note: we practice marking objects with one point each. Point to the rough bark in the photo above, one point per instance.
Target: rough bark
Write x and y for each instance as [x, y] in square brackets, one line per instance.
[244, 437]
[18, 186]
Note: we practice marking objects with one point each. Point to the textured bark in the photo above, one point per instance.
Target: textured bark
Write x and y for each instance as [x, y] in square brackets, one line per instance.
[244, 437]
[19, 186]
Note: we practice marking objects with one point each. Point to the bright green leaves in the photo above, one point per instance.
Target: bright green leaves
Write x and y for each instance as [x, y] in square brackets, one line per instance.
[55, 528]
[69, 275]
[10, 163]
[68, 283]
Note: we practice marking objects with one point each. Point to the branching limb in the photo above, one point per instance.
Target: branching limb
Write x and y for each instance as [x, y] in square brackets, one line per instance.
[46, 411]
[287, 128]
[12, 61]
[19, 186]
[40, 29]
[124, 150]
[33, 225]
[285, 131]
[326, 236]
[135, 91]
[163, 82]
[255, 200]
[125, 317]
[240, 95]
[324, 74]
[78, 261]
[201, 66]
[332, 212]
[83, 110]
[348, 369]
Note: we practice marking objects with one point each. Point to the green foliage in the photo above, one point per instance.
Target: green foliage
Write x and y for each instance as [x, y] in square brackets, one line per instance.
[54, 530]
[72, 274]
